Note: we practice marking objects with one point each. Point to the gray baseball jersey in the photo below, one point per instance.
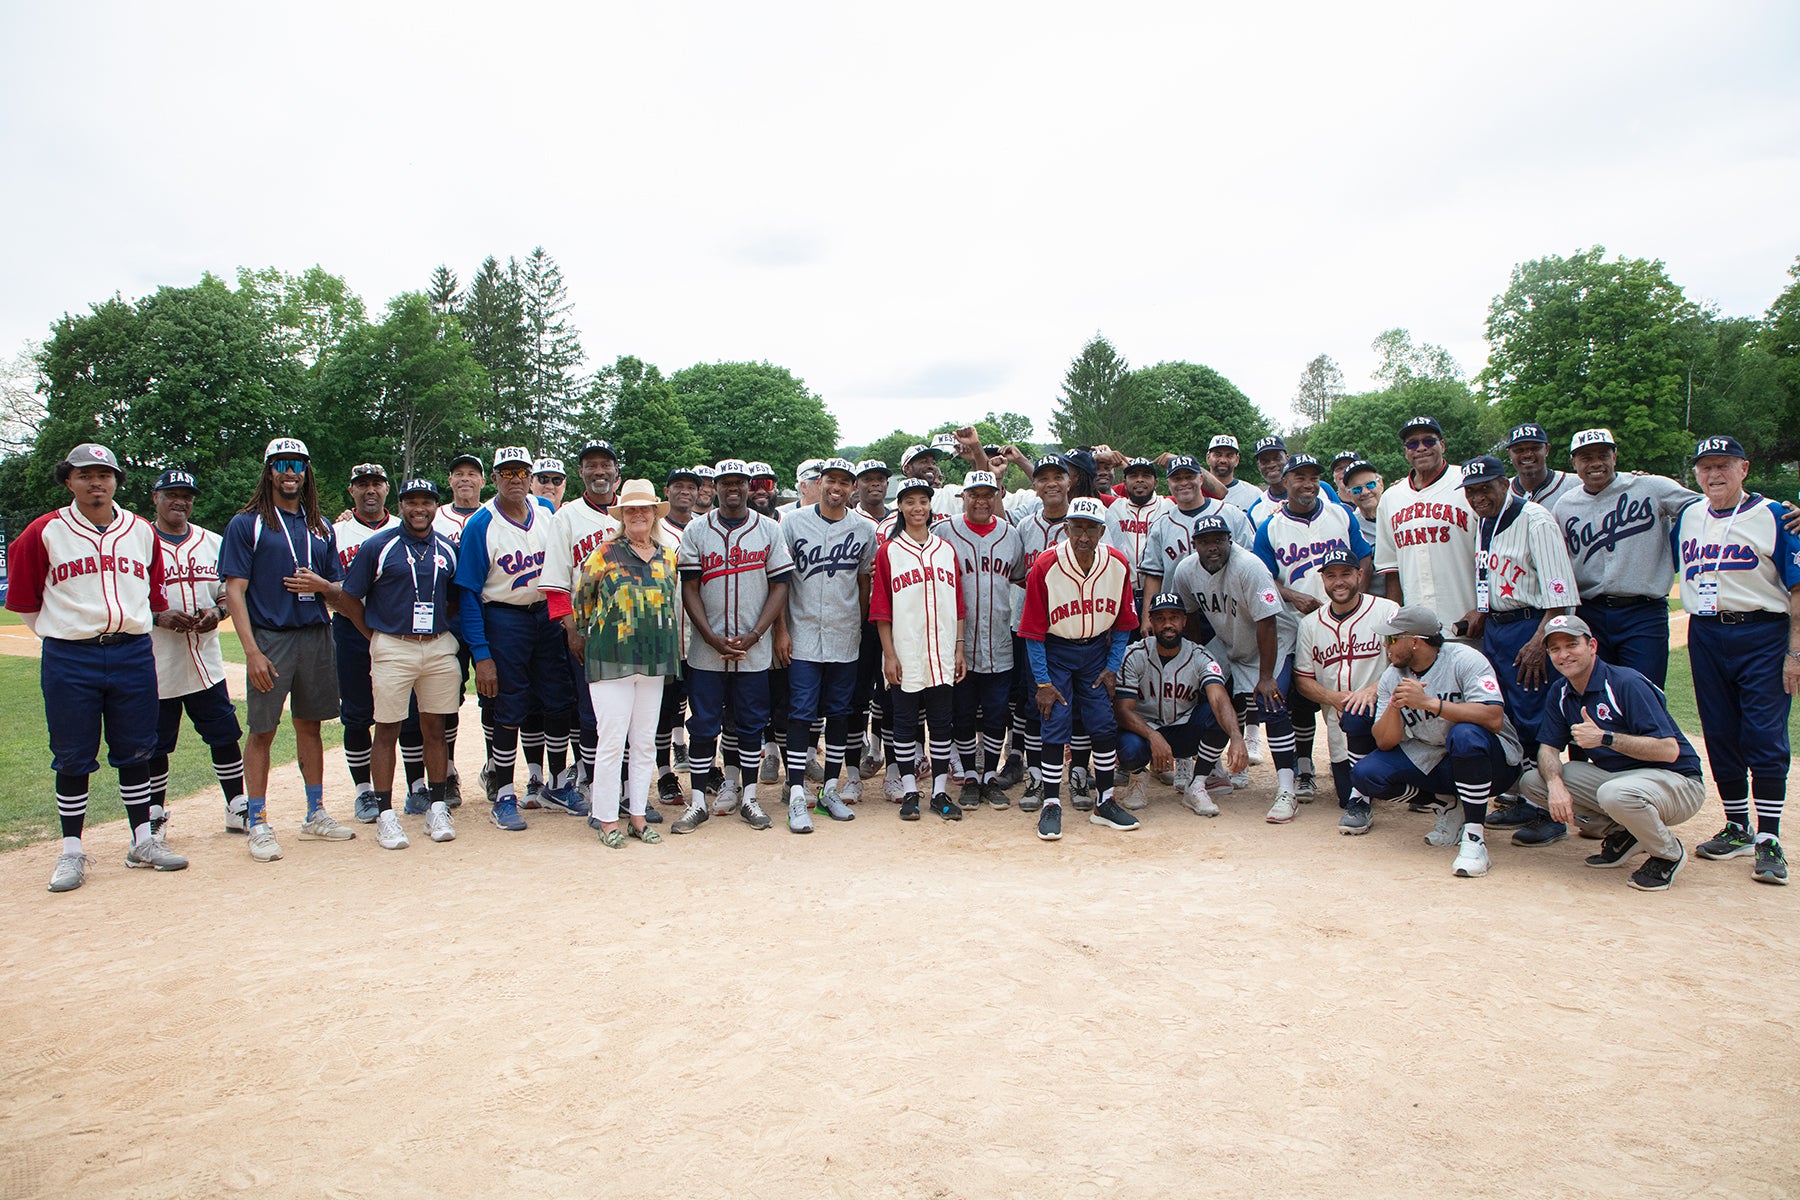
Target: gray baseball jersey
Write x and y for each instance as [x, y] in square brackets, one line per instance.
[824, 608]
[1550, 491]
[1172, 536]
[992, 570]
[1243, 494]
[1460, 674]
[1234, 600]
[1618, 538]
[1168, 689]
[735, 567]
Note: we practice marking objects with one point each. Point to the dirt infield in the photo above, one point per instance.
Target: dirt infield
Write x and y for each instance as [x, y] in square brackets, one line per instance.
[883, 1009]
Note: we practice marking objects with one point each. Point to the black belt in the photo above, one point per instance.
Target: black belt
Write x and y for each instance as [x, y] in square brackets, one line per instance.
[105, 639]
[540, 606]
[1755, 617]
[1063, 641]
[1514, 615]
[1622, 601]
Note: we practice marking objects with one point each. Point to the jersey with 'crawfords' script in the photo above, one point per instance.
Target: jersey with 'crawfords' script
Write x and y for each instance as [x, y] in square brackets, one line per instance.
[576, 531]
[736, 563]
[1291, 545]
[1062, 600]
[918, 591]
[992, 567]
[1747, 551]
[1234, 599]
[1425, 533]
[1168, 689]
[1618, 537]
[1128, 525]
[189, 662]
[502, 559]
[83, 581]
[1344, 653]
[824, 608]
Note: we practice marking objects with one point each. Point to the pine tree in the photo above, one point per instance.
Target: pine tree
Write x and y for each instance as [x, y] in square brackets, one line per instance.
[552, 354]
[1100, 402]
[493, 321]
[446, 293]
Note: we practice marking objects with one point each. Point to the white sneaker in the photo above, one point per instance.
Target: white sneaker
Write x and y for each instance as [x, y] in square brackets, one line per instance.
[770, 771]
[388, 833]
[851, 792]
[235, 821]
[438, 825]
[1220, 785]
[1253, 743]
[728, 799]
[1135, 799]
[1183, 774]
[1197, 799]
[1448, 830]
[1240, 781]
[262, 843]
[890, 787]
[321, 826]
[1285, 808]
[1471, 856]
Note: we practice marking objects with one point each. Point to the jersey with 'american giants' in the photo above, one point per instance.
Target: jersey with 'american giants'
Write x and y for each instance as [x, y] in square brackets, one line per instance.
[1169, 689]
[918, 591]
[736, 564]
[992, 567]
[1425, 534]
[1064, 601]
[83, 581]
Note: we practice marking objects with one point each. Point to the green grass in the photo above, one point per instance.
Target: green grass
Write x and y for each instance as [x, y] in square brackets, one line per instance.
[1686, 710]
[28, 802]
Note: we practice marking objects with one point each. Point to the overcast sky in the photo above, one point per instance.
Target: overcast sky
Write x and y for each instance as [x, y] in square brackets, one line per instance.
[923, 210]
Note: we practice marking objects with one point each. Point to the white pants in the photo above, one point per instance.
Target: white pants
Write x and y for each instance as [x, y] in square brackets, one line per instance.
[625, 711]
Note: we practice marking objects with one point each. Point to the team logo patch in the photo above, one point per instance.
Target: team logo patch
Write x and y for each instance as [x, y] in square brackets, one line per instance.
[1490, 685]
[1268, 596]
[1602, 711]
[1558, 588]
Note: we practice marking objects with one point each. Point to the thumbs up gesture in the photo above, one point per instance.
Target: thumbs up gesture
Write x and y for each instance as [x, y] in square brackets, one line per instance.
[1586, 734]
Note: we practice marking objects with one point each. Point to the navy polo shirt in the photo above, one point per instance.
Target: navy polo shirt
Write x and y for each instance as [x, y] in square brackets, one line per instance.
[1620, 701]
[264, 557]
[395, 570]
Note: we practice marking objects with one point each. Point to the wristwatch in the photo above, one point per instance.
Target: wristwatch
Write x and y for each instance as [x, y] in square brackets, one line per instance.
[1606, 738]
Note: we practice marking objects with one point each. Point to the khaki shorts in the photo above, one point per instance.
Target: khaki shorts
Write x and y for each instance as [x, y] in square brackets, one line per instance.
[400, 667]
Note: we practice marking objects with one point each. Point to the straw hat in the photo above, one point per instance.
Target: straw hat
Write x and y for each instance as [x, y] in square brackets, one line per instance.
[638, 493]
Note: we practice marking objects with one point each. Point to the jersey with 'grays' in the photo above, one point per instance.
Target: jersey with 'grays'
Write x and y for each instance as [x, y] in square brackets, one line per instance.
[1172, 536]
[735, 567]
[1234, 600]
[1618, 537]
[824, 608]
[1168, 689]
[992, 570]
[1459, 675]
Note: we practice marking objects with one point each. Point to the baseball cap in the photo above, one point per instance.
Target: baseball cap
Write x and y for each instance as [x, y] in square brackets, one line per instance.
[88, 454]
[1428, 423]
[731, 466]
[1211, 524]
[460, 459]
[1349, 456]
[944, 443]
[1484, 468]
[1164, 601]
[548, 466]
[913, 485]
[1591, 437]
[286, 447]
[809, 470]
[1528, 432]
[367, 471]
[872, 466]
[1361, 464]
[913, 452]
[1222, 441]
[1415, 620]
[843, 465]
[1047, 462]
[761, 470]
[1297, 461]
[1719, 447]
[171, 479]
[687, 473]
[1080, 460]
[704, 472]
[1336, 557]
[1567, 623]
[1139, 464]
[975, 479]
[506, 456]
[1086, 508]
[1184, 462]
[418, 487]
[1272, 442]
[600, 446]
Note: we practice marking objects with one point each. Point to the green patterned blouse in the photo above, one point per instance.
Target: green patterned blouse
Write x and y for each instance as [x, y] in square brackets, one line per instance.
[630, 612]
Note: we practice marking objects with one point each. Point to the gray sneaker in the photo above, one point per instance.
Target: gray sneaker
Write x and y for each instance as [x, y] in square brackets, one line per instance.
[365, 809]
[753, 814]
[771, 769]
[726, 802]
[1448, 830]
[320, 825]
[1081, 789]
[263, 847]
[438, 825]
[833, 806]
[1304, 787]
[1357, 817]
[815, 767]
[799, 815]
[693, 818]
[156, 856]
[71, 870]
[389, 833]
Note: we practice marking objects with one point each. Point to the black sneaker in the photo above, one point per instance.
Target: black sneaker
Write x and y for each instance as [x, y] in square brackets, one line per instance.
[909, 807]
[1081, 789]
[1050, 823]
[668, 789]
[1033, 799]
[995, 795]
[1515, 815]
[1729, 842]
[1614, 850]
[1358, 816]
[1011, 772]
[943, 806]
[1541, 832]
[1771, 863]
[1112, 815]
[970, 796]
[1656, 874]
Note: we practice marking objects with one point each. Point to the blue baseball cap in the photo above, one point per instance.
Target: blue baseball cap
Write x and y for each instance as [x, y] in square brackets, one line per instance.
[1337, 557]
[1048, 462]
[1182, 462]
[1164, 602]
[1528, 432]
[1302, 460]
[418, 487]
[1211, 524]
[1482, 469]
[171, 479]
[1272, 442]
[1719, 447]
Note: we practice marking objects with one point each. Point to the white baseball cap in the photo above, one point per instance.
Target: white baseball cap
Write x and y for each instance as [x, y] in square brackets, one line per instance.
[1591, 437]
[975, 479]
[1084, 508]
[548, 466]
[1223, 441]
[505, 456]
[286, 447]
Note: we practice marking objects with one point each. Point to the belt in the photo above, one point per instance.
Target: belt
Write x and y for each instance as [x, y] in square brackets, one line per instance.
[1063, 641]
[1754, 617]
[540, 606]
[1620, 601]
[414, 637]
[105, 639]
[1512, 615]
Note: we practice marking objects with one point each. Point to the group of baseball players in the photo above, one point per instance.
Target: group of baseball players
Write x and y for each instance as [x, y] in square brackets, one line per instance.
[1487, 645]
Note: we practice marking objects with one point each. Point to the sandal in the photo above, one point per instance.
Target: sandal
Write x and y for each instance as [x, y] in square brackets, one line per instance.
[612, 839]
[646, 835]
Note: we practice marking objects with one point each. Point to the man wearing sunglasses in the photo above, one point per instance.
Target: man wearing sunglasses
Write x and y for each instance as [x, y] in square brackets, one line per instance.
[1425, 534]
[1363, 487]
[549, 480]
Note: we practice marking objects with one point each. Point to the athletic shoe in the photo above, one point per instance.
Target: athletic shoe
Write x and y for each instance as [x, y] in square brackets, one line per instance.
[237, 815]
[1448, 830]
[1615, 850]
[1011, 772]
[1135, 799]
[799, 818]
[832, 804]
[753, 814]
[728, 799]
[1197, 798]
[156, 857]
[159, 830]
[1359, 814]
[364, 810]
[691, 819]
[871, 763]
[970, 796]
[418, 802]
[1239, 781]
[651, 816]
[1285, 808]
[505, 815]
[321, 826]
[1109, 814]
[1050, 823]
[1656, 874]
[567, 800]
[678, 760]
[943, 806]
[1221, 785]
[892, 788]
[852, 791]
[1182, 775]
[263, 847]
[1771, 863]
[1471, 857]
[1514, 814]
[453, 791]
[1081, 788]
[668, 789]
[533, 798]
[438, 826]
[1304, 788]
[815, 767]
[70, 872]
[1541, 832]
[490, 783]
[1033, 799]
[909, 807]
[388, 833]
[995, 795]
[1729, 842]
[1253, 743]
[770, 770]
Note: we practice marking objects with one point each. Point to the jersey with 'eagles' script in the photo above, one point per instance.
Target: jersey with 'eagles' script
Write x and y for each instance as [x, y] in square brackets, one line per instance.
[824, 608]
[1168, 689]
[1618, 537]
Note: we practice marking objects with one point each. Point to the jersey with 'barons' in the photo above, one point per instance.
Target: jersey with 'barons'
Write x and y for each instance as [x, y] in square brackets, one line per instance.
[991, 564]
[189, 662]
[1128, 525]
[1064, 601]
[83, 581]
[1172, 536]
[1344, 653]
[1425, 533]
[1168, 689]
[736, 564]
[917, 590]
[1747, 552]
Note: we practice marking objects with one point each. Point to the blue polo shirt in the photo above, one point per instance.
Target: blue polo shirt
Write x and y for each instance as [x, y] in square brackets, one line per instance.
[394, 570]
[1620, 701]
[263, 557]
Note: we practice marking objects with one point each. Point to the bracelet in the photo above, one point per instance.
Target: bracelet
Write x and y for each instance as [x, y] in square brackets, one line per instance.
[1794, 654]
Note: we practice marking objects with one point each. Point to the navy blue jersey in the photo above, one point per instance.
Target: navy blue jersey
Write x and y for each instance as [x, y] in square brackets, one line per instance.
[393, 571]
[265, 557]
[1620, 701]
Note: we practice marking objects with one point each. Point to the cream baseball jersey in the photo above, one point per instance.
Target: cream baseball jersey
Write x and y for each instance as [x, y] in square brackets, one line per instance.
[991, 565]
[83, 581]
[1291, 546]
[735, 564]
[501, 558]
[1521, 561]
[1426, 535]
[1743, 560]
[1064, 601]
[1234, 600]
[1344, 653]
[1128, 525]
[918, 591]
[575, 531]
[189, 662]
[351, 533]
[1168, 689]
[451, 519]
[1172, 536]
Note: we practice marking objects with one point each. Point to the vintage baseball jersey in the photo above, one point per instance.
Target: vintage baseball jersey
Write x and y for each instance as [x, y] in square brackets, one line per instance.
[1521, 562]
[265, 557]
[575, 531]
[1128, 525]
[1172, 536]
[1291, 546]
[991, 566]
[1242, 494]
[1234, 600]
[83, 581]
[1344, 653]
[351, 533]
[451, 519]
[1168, 689]
[735, 564]
[1744, 560]
[824, 608]
[1550, 491]
[918, 591]
[1062, 600]
[503, 559]
[189, 662]
[1267, 503]
[1460, 674]
[1426, 535]
[1618, 537]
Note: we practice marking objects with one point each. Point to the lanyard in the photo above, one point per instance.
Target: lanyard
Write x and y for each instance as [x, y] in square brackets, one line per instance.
[1485, 535]
[1719, 547]
[305, 540]
[412, 567]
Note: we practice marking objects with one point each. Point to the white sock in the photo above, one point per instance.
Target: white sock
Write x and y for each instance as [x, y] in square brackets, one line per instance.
[854, 771]
[940, 784]
[1284, 779]
[909, 783]
[140, 834]
[1471, 832]
[796, 793]
[537, 773]
[506, 793]
[71, 845]
[158, 812]
[893, 772]
[699, 800]
[749, 793]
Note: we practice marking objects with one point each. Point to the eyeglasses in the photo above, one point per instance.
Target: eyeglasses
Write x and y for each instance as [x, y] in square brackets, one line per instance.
[548, 479]
[1421, 443]
[1391, 638]
[290, 466]
[510, 472]
[1360, 488]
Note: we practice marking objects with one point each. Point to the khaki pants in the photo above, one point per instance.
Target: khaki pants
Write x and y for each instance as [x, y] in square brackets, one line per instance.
[1645, 801]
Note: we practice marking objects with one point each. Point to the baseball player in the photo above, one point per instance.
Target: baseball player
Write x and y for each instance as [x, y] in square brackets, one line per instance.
[916, 604]
[506, 626]
[682, 487]
[734, 568]
[467, 478]
[1040, 529]
[1440, 727]
[1222, 457]
[762, 490]
[707, 496]
[1338, 661]
[350, 646]
[1171, 537]
[398, 589]
[1522, 580]
[1340, 464]
[872, 477]
[87, 580]
[1077, 618]
[806, 487]
[1640, 775]
[280, 564]
[1363, 485]
[1740, 585]
[991, 569]
[190, 668]
[1425, 533]
[549, 480]
[1253, 638]
[1529, 448]
[1174, 709]
[1129, 521]
[833, 555]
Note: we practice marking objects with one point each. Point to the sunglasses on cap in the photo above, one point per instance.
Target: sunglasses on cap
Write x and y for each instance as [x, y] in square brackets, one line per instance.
[510, 472]
[1360, 488]
[1422, 443]
[290, 466]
